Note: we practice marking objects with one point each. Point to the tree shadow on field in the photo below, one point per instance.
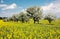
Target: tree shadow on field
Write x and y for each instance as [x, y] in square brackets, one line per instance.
[44, 24]
[49, 24]
[38, 23]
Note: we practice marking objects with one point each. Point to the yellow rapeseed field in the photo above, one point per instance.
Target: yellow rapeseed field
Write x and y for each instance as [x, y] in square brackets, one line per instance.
[29, 30]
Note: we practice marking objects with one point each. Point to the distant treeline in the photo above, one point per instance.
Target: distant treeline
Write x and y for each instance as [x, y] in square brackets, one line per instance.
[0, 17]
[34, 13]
[3, 18]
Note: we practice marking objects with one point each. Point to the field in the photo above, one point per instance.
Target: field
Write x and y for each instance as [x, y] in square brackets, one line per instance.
[18, 30]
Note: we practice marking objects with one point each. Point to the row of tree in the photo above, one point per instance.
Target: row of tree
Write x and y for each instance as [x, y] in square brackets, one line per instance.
[34, 13]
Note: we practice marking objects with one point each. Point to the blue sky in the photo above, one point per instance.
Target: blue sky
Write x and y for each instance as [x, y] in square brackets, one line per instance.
[9, 7]
[25, 3]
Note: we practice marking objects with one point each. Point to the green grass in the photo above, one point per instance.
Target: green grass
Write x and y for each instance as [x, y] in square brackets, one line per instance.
[18, 30]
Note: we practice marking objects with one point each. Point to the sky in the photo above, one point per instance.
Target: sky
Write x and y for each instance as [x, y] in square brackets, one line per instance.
[10, 7]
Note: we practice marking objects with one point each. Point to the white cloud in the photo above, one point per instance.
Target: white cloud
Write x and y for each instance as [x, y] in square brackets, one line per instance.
[2, 5]
[52, 7]
[48, 7]
[12, 6]
[24, 11]
[7, 14]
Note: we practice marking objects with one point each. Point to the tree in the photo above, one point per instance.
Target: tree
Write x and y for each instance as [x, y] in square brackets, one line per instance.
[0, 17]
[36, 18]
[23, 17]
[50, 17]
[5, 19]
[35, 13]
[33, 10]
[14, 18]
